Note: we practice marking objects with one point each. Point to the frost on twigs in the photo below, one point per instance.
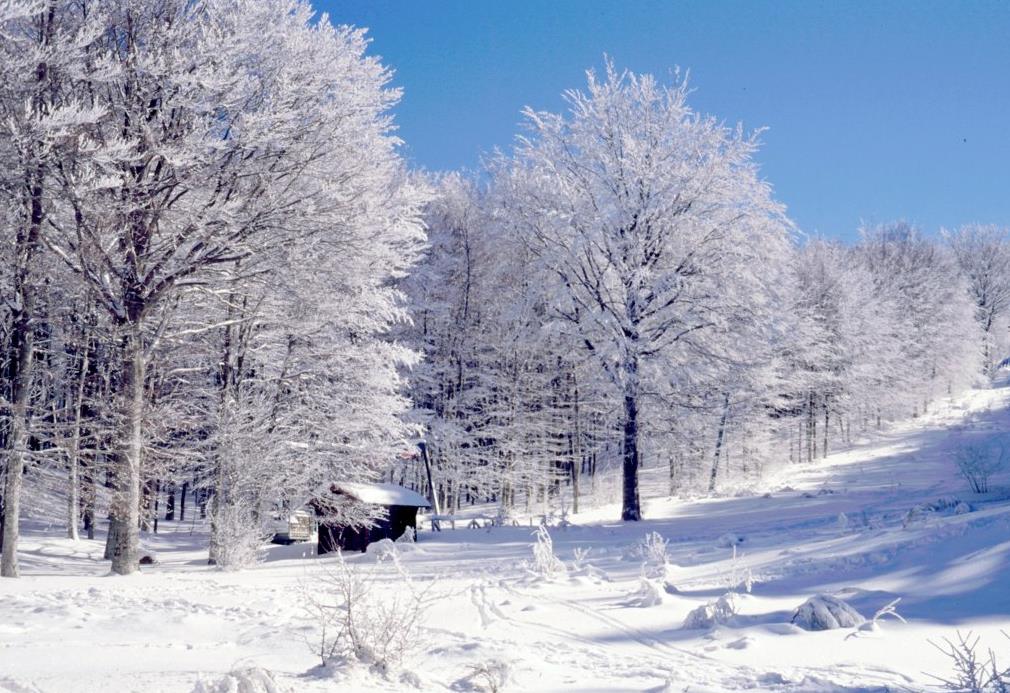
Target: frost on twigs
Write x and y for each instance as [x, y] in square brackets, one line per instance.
[238, 537]
[824, 612]
[978, 463]
[546, 564]
[873, 625]
[719, 612]
[491, 676]
[651, 550]
[974, 672]
[356, 616]
[251, 680]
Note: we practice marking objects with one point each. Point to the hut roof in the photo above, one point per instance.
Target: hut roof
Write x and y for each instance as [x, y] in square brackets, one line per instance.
[382, 494]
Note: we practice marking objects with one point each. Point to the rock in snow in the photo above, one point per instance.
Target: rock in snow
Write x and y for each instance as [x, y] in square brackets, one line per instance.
[824, 612]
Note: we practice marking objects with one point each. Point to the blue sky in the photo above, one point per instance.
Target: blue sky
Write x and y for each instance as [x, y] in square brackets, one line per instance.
[875, 110]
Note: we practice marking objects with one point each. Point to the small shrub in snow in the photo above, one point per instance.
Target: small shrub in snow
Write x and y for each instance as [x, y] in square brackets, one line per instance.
[579, 556]
[719, 612]
[824, 612]
[648, 594]
[973, 673]
[978, 463]
[490, 677]
[651, 550]
[382, 550]
[252, 680]
[545, 563]
[358, 618]
[889, 609]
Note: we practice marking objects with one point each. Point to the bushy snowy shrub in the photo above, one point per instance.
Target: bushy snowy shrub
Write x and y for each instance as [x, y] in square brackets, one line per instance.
[237, 537]
[252, 680]
[382, 549]
[824, 612]
[648, 594]
[973, 673]
[489, 677]
[978, 463]
[358, 617]
[545, 563]
[719, 612]
[652, 552]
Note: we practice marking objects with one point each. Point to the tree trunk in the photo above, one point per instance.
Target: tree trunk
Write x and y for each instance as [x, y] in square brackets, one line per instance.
[631, 509]
[22, 354]
[170, 501]
[125, 520]
[718, 443]
[182, 501]
[74, 498]
[825, 429]
[17, 440]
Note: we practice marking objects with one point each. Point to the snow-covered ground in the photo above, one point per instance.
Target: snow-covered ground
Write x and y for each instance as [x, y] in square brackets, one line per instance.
[888, 518]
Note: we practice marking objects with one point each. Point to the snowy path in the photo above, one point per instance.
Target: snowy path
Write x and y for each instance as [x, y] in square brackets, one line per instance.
[67, 626]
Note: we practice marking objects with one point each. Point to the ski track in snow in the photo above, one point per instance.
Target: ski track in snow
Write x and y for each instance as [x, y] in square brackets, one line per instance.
[69, 626]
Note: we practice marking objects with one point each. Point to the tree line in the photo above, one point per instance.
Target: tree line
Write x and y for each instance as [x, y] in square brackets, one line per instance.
[623, 289]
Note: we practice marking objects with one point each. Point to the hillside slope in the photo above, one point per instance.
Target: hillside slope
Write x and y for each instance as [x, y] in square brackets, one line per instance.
[888, 518]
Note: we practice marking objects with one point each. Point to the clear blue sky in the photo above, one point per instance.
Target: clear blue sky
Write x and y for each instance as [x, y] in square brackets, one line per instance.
[875, 110]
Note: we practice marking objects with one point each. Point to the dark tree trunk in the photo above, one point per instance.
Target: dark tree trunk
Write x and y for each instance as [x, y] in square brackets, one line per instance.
[170, 501]
[631, 509]
[182, 500]
[718, 443]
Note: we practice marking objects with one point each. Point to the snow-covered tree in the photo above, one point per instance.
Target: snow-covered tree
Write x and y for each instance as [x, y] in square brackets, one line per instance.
[983, 254]
[646, 214]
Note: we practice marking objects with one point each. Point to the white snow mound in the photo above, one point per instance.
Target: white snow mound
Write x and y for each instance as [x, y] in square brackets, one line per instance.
[824, 612]
[252, 680]
[716, 613]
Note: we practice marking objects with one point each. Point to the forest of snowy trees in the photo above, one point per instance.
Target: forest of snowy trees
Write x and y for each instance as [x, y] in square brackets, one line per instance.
[221, 282]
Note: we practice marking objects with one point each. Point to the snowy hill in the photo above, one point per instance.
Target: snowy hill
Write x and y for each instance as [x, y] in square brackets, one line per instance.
[889, 518]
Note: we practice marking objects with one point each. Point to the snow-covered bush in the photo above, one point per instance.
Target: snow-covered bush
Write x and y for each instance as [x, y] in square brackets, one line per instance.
[824, 612]
[579, 556]
[651, 551]
[648, 594]
[489, 677]
[358, 617]
[978, 463]
[972, 673]
[252, 680]
[545, 563]
[719, 612]
[382, 549]
[237, 537]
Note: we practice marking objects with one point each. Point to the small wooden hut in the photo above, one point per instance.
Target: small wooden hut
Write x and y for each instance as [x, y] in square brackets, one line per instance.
[400, 505]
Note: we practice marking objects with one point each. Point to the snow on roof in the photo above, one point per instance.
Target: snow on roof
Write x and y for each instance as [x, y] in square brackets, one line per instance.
[382, 494]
